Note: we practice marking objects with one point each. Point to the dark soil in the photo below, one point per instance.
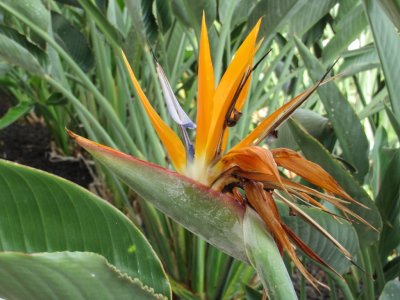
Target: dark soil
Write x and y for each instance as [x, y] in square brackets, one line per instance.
[29, 143]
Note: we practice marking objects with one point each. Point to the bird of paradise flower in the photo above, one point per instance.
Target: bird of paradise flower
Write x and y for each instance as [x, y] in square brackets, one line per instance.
[248, 173]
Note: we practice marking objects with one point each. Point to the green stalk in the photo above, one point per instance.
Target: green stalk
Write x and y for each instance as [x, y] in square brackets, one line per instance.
[266, 259]
[198, 272]
[82, 111]
[103, 102]
[369, 282]
[341, 283]
[332, 292]
[378, 268]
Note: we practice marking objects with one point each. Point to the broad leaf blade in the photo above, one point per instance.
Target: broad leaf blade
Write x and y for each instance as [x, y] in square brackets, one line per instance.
[388, 202]
[315, 152]
[387, 42]
[15, 54]
[341, 230]
[314, 10]
[392, 9]
[66, 275]
[344, 120]
[359, 60]
[275, 13]
[43, 213]
[391, 291]
[72, 41]
[14, 113]
[347, 30]
[34, 10]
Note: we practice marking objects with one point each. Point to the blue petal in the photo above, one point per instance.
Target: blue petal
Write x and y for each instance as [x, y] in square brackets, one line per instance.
[174, 108]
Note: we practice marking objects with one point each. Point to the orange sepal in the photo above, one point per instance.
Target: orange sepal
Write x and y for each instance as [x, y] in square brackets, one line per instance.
[205, 91]
[227, 87]
[265, 206]
[173, 144]
[313, 173]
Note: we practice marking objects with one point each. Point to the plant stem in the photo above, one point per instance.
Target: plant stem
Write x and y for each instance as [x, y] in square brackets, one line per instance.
[369, 282]
[348, 295]
[378, 268]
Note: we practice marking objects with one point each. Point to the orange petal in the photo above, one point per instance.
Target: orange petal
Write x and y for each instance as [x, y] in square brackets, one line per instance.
[313, 173]
[227, 88]
[173, 144]
[205, 91]
[265, 206]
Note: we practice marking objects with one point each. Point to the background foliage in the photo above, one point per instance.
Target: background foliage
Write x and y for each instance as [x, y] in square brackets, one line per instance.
[60, 60]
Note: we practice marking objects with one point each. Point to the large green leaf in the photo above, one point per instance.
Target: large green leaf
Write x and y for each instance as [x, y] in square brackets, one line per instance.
[214, 216]
[143, 20]
[388, 202]
[266, 258]
[314, 10]
[315, 124]
[275, 13]
[359, 60]
[14, 113]
[113, 35]
[342, 231]
[314, 151]
[72, 41]
[34, 10]
[43, 213]
[392, 9]
[190, 12]
[347, 30]
[24, 42]
[344, 120]
[66, 275]
[13, 53]
[391, 291]
[387, 42]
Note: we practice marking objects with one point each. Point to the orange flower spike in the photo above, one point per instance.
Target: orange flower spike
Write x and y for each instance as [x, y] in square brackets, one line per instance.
[264, 204]
[227, 88]
[175, 148]
[313, 173]
[205, 91]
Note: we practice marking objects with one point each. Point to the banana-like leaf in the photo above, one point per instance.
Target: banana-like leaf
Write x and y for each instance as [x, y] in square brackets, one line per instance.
[275, 13]
[13, 53]
[314, 10]
[343, 232]
[66, 275]
[388, 202]
[344, 120]
[212, 215]
[346, 31]
[387, 43]
[14, 113]
[34, 10]
[392, 9]
[359, 60]
[72, 41]
[315, 152]
[391, 291]
[40, 212]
